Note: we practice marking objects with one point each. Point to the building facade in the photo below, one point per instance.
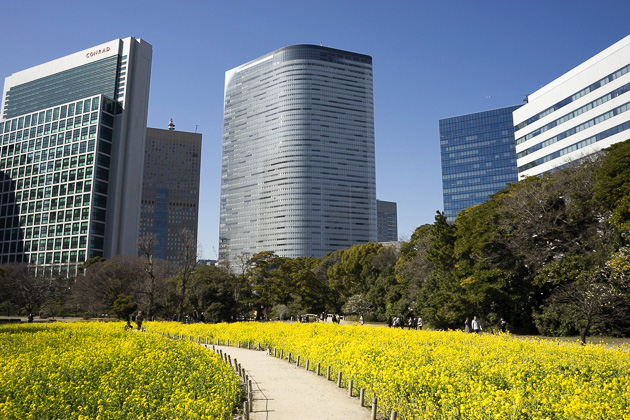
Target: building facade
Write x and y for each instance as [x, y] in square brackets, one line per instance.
[170, 191]
[387, 217]
[298, 166]
[478, 158]
[72, 133]
[580, 113]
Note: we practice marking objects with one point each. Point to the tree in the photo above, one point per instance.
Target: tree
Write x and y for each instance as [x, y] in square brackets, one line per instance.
[585, 303]
[612, 191]
[124, 306]
[187, 264]
[357, 304]
[440, 299]
[104, 281]
[354, 273]
[23, 288]
[260, 275]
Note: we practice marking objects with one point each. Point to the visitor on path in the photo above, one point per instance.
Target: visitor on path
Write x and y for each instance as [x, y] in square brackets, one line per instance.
[30, 318]
[467, 327]
[420, 323]
[502, 325]
[334, 319]
[389, 321]
[361, 320]
[139, 320]
[476, 325]
[128, 326]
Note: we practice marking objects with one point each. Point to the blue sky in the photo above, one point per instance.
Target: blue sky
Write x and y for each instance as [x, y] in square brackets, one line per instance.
[431, 60]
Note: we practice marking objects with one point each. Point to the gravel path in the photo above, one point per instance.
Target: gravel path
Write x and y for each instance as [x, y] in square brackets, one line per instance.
[283, 391]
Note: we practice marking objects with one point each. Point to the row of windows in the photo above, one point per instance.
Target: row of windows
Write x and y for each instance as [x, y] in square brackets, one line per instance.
[579, 145]
[602, 82]
[53, 114]
[588, 124]
[599, 101]
[91, 79]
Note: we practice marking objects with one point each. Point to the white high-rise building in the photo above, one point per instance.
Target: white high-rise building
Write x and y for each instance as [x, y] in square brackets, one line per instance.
[581, 112]
[298, 165]
[72, 145]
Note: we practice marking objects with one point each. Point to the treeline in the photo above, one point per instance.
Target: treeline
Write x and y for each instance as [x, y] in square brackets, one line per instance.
[549, 254]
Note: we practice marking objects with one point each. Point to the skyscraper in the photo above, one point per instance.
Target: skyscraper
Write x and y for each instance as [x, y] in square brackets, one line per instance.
[170, 189]
[298, 167]
[478, 157]
[73, 133]
[387, 216]
[578, 114]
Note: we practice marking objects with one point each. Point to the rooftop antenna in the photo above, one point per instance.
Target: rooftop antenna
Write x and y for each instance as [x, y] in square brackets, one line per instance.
[196, 125]
[171, 126]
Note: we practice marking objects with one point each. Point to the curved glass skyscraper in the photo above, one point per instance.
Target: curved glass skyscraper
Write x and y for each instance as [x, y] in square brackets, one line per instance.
[298, 167]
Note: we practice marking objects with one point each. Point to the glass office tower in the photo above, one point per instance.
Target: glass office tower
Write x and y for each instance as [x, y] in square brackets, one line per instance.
[72, 134]
[298, 167]
[478, 157]
[170, 190]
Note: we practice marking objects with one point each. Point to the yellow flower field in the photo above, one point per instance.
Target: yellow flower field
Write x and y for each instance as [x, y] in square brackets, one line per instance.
[449, 375]
[100, 371]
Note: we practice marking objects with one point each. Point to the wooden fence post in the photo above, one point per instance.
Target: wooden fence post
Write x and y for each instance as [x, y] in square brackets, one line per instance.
[374, 407]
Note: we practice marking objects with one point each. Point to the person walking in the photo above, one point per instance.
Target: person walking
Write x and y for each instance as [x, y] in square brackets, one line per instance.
[139, 319]
[420, 323]
[476, 325]
[502, 325]
[467, 327]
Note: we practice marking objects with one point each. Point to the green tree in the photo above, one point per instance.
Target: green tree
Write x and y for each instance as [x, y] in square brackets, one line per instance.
[124, 306]
[612, 191]
[354, 273]
[440, 300]
[260, 275]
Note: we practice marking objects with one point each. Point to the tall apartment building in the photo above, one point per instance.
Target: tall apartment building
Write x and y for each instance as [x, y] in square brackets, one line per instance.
[72, 133]
[298, 166]
[478, 157]
[170, 190]
[387, 217]
[580, 113]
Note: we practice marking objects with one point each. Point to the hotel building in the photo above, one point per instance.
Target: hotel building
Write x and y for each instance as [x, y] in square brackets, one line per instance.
[578, 114]
[478, 158]
[298, 165]
[72, 137]
[170, 190]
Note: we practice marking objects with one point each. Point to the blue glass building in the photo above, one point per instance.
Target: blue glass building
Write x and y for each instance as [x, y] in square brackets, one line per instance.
[478, 157]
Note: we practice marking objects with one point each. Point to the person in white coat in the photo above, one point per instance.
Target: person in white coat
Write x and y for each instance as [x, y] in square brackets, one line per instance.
[476, 325]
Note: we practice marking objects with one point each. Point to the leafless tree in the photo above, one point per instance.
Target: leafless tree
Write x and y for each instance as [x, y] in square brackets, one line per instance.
[188, 261]
[157, 270]
[104, 281]
[24, 288]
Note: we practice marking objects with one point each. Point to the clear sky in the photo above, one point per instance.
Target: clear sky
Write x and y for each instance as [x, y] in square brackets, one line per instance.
[432, 59]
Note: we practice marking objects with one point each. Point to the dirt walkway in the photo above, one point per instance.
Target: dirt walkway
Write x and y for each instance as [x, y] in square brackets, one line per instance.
[283, 391]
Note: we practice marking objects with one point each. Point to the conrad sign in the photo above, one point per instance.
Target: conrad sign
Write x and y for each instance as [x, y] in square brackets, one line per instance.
[99, 51]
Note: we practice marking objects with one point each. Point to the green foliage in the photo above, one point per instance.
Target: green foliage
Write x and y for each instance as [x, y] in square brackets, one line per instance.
[612, 191]
[124, 306]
